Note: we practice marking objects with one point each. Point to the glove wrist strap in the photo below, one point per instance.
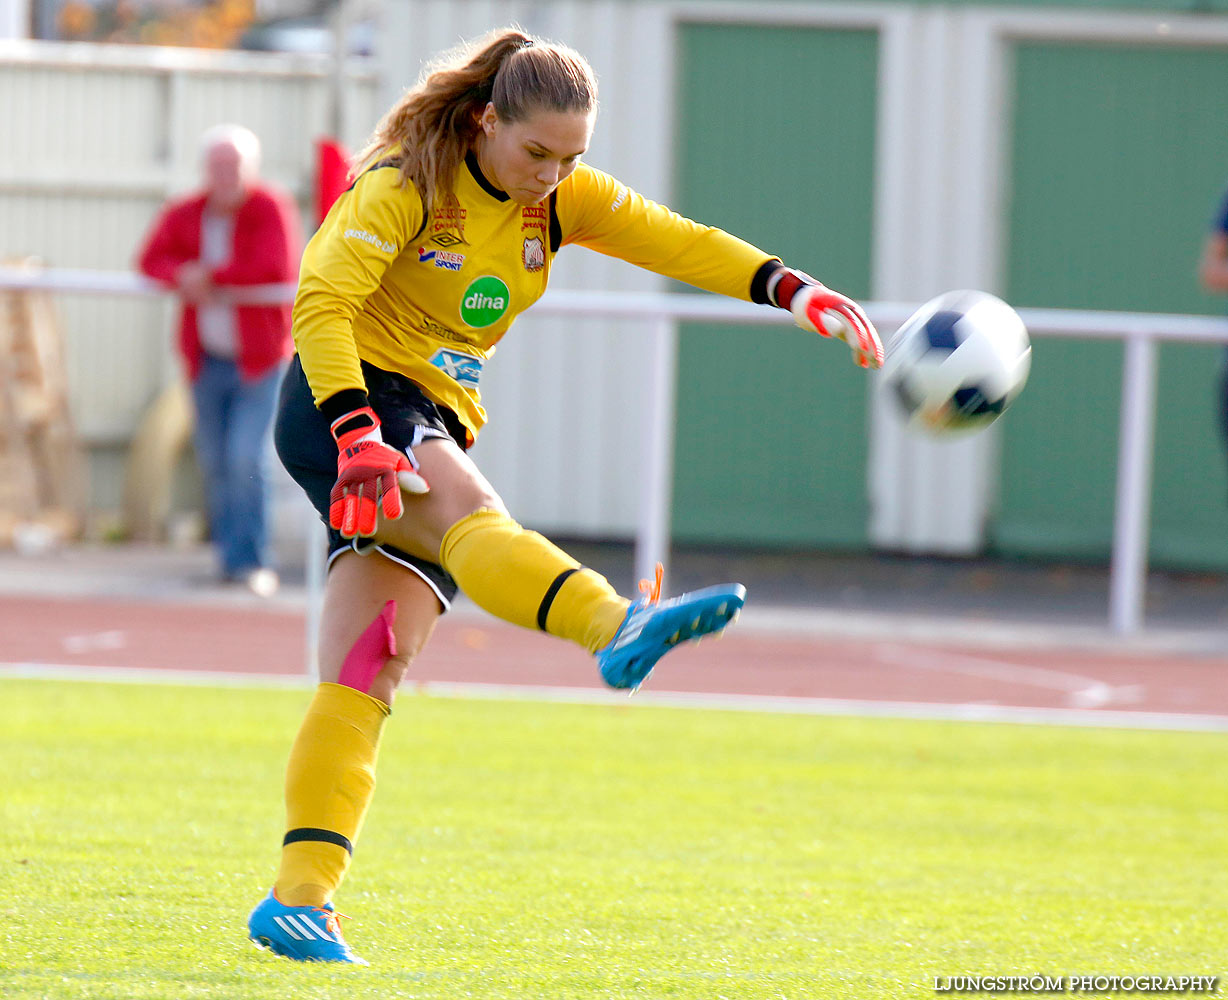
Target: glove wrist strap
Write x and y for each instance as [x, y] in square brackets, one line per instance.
[357, 425]
[786, 283]
[340, 403]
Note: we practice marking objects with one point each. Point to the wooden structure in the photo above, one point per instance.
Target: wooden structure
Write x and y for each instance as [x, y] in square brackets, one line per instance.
[42, 466]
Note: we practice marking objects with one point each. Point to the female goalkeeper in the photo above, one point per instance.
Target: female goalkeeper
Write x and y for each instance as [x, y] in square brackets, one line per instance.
[469, 187]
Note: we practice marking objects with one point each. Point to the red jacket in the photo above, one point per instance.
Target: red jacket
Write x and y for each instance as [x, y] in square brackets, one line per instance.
[267, 246]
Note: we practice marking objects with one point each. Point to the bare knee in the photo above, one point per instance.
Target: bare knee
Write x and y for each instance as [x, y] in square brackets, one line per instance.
[365, 593]
[396, 667]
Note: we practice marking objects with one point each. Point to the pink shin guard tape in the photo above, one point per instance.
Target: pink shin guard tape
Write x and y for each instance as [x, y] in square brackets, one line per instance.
[371, 651]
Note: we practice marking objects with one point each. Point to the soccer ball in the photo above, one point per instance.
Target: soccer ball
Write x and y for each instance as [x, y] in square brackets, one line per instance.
[958, 362]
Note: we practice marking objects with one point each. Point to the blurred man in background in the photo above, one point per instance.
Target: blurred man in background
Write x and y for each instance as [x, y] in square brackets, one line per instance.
[1213, 270]
[236, 231]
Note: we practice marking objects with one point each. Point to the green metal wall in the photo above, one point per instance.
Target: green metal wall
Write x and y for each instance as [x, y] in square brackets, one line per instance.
[775, 144]
[1118, 157]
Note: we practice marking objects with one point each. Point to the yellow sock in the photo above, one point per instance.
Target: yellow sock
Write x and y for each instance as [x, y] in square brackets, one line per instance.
[330, 779]
[524, 578]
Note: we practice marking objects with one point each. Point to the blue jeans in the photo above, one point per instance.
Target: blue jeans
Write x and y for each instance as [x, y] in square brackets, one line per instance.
[233, 422]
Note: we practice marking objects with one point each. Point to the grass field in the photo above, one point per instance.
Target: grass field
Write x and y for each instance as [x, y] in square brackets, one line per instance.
[544, 850]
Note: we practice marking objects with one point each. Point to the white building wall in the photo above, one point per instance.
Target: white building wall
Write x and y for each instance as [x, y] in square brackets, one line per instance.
[932, 206]
[96, 138]
[565, 397]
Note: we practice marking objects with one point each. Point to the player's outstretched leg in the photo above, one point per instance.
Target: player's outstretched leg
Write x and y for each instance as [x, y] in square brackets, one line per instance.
[304, 933]
[653, 627]
[523, 578]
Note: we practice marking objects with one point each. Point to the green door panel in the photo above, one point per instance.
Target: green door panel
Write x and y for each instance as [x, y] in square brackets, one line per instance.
[776, 145]
[1119, 155]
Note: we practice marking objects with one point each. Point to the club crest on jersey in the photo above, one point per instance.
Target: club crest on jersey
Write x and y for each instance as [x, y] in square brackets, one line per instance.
[441, 258]
[534, 254]
[463, 368]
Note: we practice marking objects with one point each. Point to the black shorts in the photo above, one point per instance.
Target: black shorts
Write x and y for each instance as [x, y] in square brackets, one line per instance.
[309, 453]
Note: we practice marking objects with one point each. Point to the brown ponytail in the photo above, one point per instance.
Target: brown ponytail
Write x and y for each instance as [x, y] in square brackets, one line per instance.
[431, 128]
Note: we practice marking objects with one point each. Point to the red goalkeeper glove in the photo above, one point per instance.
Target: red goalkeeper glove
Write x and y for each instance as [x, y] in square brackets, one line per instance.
[370, 475]
[817, 308]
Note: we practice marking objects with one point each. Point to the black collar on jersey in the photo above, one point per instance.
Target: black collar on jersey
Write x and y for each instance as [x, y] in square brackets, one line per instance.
[471, 161]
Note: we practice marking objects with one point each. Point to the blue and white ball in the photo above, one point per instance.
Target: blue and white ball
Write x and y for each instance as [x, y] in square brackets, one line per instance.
[958, 362]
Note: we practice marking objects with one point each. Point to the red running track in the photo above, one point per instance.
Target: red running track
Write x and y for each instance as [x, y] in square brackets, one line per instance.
[158, 636]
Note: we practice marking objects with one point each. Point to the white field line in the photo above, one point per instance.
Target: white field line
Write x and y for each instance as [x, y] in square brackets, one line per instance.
[1081, 691]
[782, 704]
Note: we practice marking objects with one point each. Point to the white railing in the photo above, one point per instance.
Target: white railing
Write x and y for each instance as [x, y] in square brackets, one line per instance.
[1139, 331]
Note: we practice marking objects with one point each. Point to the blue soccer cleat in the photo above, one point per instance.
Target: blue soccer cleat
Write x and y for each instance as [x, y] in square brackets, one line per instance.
[653, 627]
[304, 933]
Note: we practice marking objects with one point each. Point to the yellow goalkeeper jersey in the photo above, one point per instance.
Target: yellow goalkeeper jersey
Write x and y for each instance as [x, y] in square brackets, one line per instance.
[432, 301]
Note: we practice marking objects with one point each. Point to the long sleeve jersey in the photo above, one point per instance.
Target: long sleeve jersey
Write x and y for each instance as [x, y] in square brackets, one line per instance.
[431, 300]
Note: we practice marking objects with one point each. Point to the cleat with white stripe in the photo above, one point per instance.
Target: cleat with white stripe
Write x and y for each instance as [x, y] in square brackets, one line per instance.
[652, 627]
[303, 933]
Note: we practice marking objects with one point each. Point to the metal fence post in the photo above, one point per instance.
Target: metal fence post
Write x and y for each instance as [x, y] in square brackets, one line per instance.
[1128, 570]
[317, 571]
[652, 538]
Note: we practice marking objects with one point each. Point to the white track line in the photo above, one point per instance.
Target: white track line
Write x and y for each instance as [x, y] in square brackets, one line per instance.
[1081, 691]
[969, 712]
[786, 705]
[152, 676]
[87, 642]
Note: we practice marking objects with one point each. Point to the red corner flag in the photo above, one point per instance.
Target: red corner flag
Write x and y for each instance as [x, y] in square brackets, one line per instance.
[332, 174]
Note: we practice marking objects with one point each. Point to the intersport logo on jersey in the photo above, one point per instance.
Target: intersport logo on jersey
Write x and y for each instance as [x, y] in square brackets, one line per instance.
[441, 258]
[485, 301]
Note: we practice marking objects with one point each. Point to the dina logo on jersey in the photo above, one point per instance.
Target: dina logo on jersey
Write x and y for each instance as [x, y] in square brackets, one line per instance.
[534, 254]
[485, 301]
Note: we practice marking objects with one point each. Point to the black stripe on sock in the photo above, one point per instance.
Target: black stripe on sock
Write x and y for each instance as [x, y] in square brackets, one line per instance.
[311, 833]
[544, 609]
